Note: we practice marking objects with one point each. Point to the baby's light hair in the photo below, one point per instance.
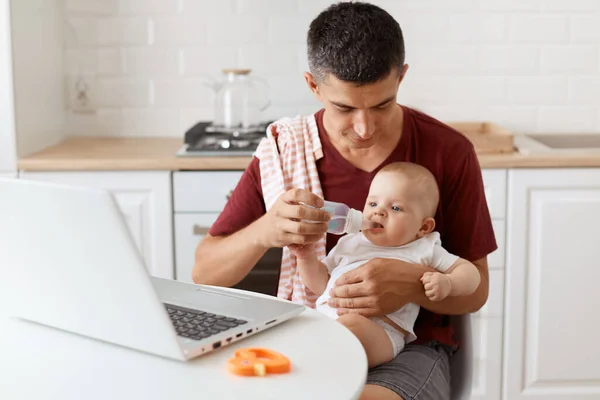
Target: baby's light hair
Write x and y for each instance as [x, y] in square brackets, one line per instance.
[425, 185]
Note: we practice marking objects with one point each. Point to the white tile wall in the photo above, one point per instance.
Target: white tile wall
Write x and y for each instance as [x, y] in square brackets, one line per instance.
[8, 143]
[530, 65]
[125, 31]
[538, 28]
[38, 65]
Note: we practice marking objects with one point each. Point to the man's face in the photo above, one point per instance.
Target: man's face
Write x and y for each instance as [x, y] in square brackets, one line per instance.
[358, 116]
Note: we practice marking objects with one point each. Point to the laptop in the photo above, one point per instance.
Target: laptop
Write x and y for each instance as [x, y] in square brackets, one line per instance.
[67, 260]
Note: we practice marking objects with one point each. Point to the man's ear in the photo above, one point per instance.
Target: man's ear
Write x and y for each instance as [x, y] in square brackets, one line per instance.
[427, 227]
[312, 85]
[403, 72]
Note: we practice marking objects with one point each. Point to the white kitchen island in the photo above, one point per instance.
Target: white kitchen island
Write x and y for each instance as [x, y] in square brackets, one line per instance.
[38, 362]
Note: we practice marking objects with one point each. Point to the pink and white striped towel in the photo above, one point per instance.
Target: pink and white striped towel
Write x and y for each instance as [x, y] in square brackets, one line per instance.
[288, 160]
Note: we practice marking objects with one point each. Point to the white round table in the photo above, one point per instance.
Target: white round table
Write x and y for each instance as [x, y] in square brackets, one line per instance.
[37, 362]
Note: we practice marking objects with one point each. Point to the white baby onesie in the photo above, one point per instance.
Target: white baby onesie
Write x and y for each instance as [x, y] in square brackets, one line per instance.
[354, 250]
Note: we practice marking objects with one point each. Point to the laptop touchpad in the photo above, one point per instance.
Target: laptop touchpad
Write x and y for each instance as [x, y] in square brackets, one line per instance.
[216, 301]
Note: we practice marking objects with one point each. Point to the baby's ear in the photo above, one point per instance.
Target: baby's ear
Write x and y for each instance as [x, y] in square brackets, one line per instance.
[427, 226]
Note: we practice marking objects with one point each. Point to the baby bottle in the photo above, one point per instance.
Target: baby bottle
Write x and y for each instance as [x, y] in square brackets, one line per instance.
[344, 219]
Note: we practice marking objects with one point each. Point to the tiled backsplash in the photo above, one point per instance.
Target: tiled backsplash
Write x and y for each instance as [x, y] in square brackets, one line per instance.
[530, 65]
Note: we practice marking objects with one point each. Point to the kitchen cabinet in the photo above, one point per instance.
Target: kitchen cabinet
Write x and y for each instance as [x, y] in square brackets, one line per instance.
[190, 229]
[487, 322]
[203, 191]
[8, 149]
[552, 297]
[144, 198]
[198, 198]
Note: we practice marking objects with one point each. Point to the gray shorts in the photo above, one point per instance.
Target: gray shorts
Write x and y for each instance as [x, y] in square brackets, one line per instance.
[418, 372]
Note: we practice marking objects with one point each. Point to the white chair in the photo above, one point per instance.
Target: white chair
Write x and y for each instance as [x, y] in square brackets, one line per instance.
[461, 364]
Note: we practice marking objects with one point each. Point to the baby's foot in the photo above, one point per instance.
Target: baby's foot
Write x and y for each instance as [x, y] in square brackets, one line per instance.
[437, 285]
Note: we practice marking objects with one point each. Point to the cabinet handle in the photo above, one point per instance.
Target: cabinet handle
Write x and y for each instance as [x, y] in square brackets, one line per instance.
[200, 230]
[228, 196]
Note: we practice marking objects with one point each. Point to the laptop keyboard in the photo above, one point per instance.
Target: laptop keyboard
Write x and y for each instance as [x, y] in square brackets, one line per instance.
[198, 325]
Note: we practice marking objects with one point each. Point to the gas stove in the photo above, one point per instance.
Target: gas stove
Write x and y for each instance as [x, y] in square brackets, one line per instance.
[203, 140]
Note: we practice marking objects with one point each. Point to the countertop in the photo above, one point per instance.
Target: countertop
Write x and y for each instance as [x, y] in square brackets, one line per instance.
[106, 154]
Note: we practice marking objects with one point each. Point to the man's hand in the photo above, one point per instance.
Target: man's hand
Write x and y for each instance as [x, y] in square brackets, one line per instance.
[384, 285]
[379, 287]
[286, 222]
[437, 285]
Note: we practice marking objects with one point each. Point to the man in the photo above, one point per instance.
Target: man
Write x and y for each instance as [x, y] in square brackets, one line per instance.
[356, 57]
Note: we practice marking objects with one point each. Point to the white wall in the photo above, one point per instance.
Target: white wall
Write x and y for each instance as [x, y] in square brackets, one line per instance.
[8, 152]
[37, 40]
[530, 65]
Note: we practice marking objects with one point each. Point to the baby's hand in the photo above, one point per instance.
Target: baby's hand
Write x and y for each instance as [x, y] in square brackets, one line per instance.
[437, 285]
[302, 251]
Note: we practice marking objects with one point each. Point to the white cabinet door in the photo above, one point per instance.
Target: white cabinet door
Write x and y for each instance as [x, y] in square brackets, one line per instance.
[487, 322]
[494, 184]
[8, 150]
[487, 342]
[552, 296]
[144, 198]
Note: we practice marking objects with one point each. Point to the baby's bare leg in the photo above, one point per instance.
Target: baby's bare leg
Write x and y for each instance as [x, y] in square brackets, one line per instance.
[372, 336]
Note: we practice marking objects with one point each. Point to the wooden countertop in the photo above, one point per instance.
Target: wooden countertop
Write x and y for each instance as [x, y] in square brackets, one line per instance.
[109, 154]
[105, 154]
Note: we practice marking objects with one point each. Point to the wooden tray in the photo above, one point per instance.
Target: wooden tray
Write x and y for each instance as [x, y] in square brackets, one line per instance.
[487, 137]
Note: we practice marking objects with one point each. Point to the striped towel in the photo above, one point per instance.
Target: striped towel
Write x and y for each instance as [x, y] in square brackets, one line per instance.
[288, 160]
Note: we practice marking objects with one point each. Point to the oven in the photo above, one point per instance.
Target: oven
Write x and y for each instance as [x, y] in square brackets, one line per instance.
[198, 198]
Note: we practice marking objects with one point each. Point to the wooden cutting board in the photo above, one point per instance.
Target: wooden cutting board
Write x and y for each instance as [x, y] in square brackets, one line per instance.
[487, 137]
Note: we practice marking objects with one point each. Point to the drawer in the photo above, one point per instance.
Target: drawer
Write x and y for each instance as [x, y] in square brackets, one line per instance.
[205, 191]
[494, 307]
[496, 259]
[494, 183]
[189, 231]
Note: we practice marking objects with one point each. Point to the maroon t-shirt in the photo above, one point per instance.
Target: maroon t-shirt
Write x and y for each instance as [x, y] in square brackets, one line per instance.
[462, 217]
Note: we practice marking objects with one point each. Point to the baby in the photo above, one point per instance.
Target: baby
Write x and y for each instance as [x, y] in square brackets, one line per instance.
[402, 201]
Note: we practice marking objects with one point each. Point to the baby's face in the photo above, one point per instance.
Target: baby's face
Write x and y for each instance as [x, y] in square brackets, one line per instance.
[393, 205]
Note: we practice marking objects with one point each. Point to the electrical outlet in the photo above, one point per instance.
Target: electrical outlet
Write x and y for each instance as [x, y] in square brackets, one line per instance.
[80, 94]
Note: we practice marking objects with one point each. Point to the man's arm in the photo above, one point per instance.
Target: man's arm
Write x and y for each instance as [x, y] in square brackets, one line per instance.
[230, 250]
[226, 260]
[382, 286]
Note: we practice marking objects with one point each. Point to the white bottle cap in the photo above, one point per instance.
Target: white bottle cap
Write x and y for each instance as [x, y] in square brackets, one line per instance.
[355, 220]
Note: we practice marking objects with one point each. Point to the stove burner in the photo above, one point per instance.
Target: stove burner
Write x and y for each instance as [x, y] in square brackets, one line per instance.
[216, 142]
[204, 140]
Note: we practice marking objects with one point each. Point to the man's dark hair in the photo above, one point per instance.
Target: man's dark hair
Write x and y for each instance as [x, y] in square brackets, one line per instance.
[356, 42]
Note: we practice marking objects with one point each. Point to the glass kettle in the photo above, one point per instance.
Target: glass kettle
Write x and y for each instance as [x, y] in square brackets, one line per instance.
[240, 99]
